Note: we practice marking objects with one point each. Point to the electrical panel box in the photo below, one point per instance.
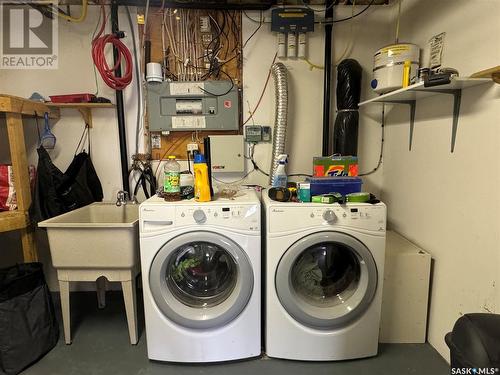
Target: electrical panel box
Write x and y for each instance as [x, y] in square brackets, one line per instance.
[253, 133]
[227, 153]
[291, 20]
[257, 133]
[190, 106]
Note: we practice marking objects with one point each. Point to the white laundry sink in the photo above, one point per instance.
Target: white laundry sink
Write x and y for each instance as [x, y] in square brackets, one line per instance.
[100, 235]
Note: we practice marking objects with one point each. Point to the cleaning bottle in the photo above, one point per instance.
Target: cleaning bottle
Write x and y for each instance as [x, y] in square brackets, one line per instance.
[280, 178]
[171, 180]
[201, 182]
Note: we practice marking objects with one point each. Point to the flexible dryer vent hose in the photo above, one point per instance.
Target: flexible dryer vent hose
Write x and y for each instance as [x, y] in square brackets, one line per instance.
[279, 73]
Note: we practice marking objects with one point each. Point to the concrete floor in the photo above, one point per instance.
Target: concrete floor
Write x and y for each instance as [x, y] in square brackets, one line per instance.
[101, 346]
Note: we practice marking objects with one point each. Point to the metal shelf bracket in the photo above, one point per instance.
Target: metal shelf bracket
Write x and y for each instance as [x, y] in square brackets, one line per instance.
[413, 107]
[457, 100]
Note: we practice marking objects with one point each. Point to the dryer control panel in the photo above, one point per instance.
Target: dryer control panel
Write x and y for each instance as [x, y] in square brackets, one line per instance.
[359, 216]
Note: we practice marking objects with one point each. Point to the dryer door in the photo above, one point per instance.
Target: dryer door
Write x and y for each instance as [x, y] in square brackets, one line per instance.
[201, 280]
[326, 280]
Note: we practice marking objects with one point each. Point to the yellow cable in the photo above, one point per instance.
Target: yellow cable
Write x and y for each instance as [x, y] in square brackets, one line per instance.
[313, 66]
[398, 19]
[82, 17]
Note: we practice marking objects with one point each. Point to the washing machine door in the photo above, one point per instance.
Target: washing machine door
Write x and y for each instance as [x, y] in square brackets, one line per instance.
[201, 280]
[326, 280]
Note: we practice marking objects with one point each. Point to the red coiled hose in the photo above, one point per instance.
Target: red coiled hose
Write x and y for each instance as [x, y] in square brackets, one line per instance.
[99, 57]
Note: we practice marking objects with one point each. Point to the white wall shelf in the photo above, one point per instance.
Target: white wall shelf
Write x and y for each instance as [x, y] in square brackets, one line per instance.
[409, 96]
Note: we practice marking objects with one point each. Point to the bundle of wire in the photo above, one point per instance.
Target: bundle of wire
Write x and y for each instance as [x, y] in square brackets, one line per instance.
[99, 56]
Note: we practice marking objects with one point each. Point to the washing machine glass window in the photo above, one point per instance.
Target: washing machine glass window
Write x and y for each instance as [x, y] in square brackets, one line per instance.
[326, 274]
[326, 280]
[201, 280]
[201, 274]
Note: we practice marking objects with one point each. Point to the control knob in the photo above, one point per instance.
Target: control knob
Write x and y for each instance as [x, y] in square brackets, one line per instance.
[329, 216]
[199, 216]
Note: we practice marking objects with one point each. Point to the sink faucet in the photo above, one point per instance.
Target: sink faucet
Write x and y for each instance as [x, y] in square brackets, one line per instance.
[122, 197]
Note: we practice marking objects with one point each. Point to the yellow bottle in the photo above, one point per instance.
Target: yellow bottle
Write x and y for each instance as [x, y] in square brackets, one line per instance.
[406, 73]
[201, 182]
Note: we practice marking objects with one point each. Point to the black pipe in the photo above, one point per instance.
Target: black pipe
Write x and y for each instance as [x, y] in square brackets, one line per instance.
[328, 77]
[120, 112]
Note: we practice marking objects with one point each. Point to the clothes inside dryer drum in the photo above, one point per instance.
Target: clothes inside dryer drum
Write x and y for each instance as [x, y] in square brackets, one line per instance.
[201, 274]
[326, 274]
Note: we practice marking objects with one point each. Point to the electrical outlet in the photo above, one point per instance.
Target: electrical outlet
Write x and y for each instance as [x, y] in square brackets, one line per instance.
[266, 134]
[155, 141]
[191, 147]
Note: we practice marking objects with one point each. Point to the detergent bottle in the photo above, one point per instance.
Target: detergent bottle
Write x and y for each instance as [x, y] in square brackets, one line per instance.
[280, 178]
[201, 182]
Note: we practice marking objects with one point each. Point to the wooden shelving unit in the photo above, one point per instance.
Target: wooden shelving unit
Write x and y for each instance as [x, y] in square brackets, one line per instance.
[409, 96]
[85, 109]
[13, 109]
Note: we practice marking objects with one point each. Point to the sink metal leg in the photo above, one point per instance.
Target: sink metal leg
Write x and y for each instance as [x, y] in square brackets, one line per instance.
[101, 292]
[129, 297]
[65, 306]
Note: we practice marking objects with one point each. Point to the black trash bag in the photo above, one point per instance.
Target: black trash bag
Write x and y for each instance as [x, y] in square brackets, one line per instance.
[28, 325]
[57, 192]
[345, 131]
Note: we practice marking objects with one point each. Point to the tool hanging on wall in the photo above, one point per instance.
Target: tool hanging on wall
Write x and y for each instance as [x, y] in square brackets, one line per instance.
[108, 73]
[47, 138]
[146, 177]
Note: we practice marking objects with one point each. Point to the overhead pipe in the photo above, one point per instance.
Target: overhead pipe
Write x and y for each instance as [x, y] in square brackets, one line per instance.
[120, 112]
[327, 88]
[279, 73]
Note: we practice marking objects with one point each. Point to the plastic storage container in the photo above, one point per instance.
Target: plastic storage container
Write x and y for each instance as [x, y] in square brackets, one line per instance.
[342, 185]
[475, 344]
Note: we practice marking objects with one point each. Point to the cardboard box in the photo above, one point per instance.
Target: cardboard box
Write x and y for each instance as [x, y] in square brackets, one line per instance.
[335, 166]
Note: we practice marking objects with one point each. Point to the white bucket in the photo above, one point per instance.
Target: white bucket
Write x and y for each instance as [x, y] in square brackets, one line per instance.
[388, 64]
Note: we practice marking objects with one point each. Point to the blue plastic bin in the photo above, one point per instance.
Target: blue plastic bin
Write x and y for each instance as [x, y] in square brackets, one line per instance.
[342, 185]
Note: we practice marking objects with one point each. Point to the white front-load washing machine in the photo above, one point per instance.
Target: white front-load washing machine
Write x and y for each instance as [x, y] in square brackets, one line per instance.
[324, 276]
[201, 265]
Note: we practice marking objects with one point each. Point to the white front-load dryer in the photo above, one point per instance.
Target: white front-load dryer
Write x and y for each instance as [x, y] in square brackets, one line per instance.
[324, 276]
[201, 265]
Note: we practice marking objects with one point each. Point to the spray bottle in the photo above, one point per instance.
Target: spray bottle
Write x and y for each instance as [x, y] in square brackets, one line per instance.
[280, 178]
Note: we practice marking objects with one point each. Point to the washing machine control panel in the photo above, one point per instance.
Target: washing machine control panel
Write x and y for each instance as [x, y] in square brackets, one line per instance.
[365, 216]
[243, 217]
[329, 216]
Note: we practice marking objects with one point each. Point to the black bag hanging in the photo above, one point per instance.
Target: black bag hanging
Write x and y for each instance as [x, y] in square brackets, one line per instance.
[28, 325]
[345, 132]
[57, 192]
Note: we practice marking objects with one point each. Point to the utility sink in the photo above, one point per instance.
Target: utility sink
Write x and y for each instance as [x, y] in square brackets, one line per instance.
[94, 243]
[100, 235]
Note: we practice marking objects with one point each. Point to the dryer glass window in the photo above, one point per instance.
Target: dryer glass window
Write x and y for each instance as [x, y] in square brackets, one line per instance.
[201, 274]
[326, 274]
